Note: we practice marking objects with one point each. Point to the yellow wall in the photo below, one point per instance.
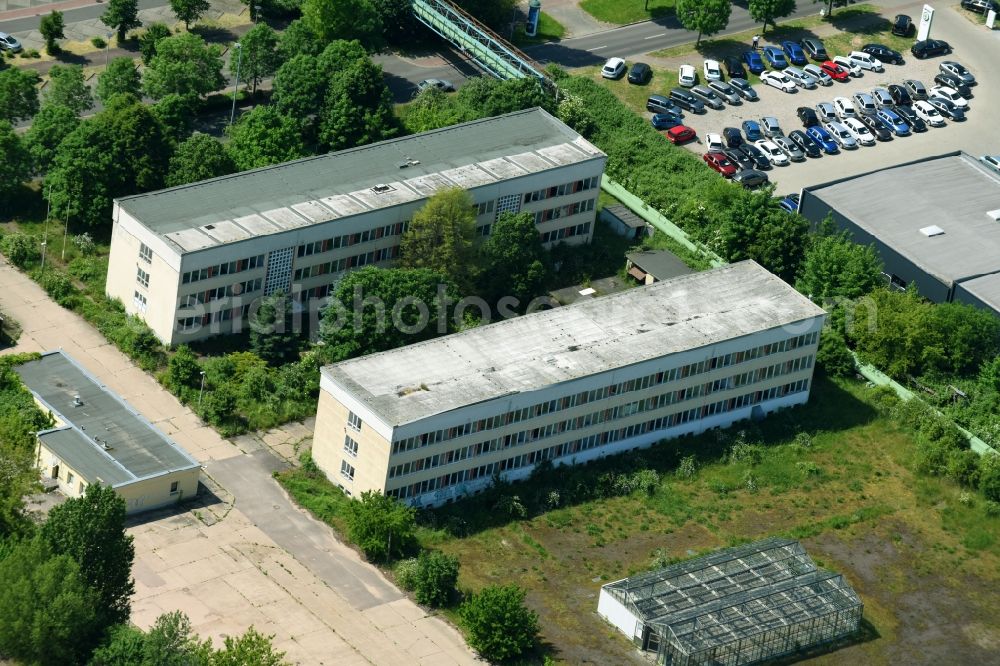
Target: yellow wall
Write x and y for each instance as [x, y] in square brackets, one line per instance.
[372, 461]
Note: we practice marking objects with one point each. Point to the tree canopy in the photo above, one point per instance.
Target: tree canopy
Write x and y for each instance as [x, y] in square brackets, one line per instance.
[272, 336]
[343, 19]
[498, 625]
[150, 39]
[199, 157]
[18, 94]
[184, 64]
[381, 526]
[706, 17]
[265, 136]
[119, 78]
[440, 237]
[15, 166]
[259, 57]
[122, 16]
[358, 107]
[52, 27]
[513, 260]
[68, 88]
[768, 11]
[189, 11]
[836, 267]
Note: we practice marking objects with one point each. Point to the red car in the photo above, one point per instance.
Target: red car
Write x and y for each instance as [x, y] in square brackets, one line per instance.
[680, 134]
[720, 163]
[836, 72]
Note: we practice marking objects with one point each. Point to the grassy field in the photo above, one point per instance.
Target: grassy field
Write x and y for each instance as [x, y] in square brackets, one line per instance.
[627, 11]
[632, 95]
[549, 30]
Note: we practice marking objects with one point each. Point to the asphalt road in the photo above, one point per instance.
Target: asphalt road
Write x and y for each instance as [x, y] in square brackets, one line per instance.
[70, 15]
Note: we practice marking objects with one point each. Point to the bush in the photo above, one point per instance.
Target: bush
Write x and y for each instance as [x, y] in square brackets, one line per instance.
[498, 624]
[406, 573]
[98, 42]
[20, 249]
[989, 476]
[59, 287]
[381, 526]
[433, 579]
[963, 467]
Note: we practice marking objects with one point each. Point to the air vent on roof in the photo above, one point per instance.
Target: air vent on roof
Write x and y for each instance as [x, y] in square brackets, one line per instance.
[994, 214]
[76, 400]
[933, 230]
[209, 226]
[382, 189]
[408, 162]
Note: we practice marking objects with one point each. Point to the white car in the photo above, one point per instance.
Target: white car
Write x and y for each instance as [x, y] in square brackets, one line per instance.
[613, 68]
[862, 134]
[714, 142]
[848, 64]
[712, 70]
[775, 155]
[865, 61]
[842, 135]
[844, 107]
[991, 162]
[815, 71]
[686, 76]
[800, 78]
[777, 80]
[950, 94]
[927, 113]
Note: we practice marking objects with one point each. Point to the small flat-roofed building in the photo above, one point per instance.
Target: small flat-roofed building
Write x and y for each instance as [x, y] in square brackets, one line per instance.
[98, 438]
[439, 419]
[191, 260]
[624, 222]
[737, 606]
[933, 221]
[649, 266]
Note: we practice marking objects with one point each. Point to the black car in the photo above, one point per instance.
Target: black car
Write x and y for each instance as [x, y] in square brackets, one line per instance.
[915, 122]
[806, 143]
[732, 137]
[902, 25]
[980, 6]
[814, 49]
[737, 156]
[883, 53]
[685, 100]
[952, 81]
[877, 126]
[734, 67]
[807, 116]
[760, 161]
[640, 73]
[930, 47]
[900, 95]
[947, 108]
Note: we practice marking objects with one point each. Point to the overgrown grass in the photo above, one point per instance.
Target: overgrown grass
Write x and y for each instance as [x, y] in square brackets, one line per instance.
[632, 95]
[549, 30]
[627, 11]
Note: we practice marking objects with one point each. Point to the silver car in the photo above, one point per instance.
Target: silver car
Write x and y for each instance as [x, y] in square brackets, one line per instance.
[864, 103]
[726, 91]
[744, 88]
[826, 112]
[708, 97]
[882, 98]
[800, 78]
[842, 135]
[788, 146]
[9, 43]
[815, 71]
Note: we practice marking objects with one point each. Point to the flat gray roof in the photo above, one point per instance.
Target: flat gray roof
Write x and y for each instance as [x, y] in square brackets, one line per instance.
[986, 289]
[953, 192]
[326, 187]
[566, 343]
[661, 264]
[136, 449]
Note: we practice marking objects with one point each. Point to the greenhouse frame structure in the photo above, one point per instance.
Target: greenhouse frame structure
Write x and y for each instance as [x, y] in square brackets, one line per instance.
[737, 606]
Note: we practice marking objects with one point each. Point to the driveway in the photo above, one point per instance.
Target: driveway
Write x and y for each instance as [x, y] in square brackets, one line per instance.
[261, 562]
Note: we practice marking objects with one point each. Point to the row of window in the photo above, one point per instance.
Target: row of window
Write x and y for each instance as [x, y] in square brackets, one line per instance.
[146, 253]
[339, 265]
[350, 446]
[142, 277]
[139, 301]
[592, 441]
[188, 323]
[564, 211]
[566, 232]
[228, 268]
[346, 470]
[560, 190]
[238, 289]
[483, 208]
[585, 397]
[627, 410]
[327, 244]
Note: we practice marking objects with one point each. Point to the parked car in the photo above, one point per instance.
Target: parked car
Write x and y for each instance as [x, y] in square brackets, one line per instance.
[778, 80]
[902, 25]
[789, 203]
[753, 61]
[664, 121]
[774, 57]
[947, 108]
[916, 89]
[744, 88]
[835, 71]
[800, 78]
[769, 125]
[959, 70]
[685, 100]
[726, 92]
[806, 143]
[845, 107]
[991, 162]
[732, 137]
[713, 142]
[712, 70]
[949, 94]
[662, 104]
[680, 134]
[774, 154]
[883, 53]
[750, 178]
[981, 6]
[848, 64]
[760, 161]
[614, 68]
[865, 61]
[911, 118]
[795, 54]
[900, 95]
[826, 111]
[807, 116]
[719, 162]
[861, 133]
[686, 76]
[737, 157]
[752, 131]
[863, 103]
[640, 74]
[895, 122]
[928, 113]
[877, 127]
[814, 49]
[440, 84]
[842, 135]
[734, 67]
[882, 97]
[952, 81]
[823, 138]
[930, 47]
[817, 73]
[789, 148]
[9, 43]
[709, 98]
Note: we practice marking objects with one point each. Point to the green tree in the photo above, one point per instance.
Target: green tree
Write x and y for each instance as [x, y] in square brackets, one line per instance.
[52, 28]
[19, 248]
[18, 478]
[432, 109]
[265, 136]
[125, 646]
[272, 336]
[91, 530]
[150, 39]
[707, 17]
[381, 526]
[177, 114]
[15, 165]
[139, 143]
[833, 356]
[397, 20]
[574, 112]
[836, 267]
[989, 476]
[358, 109]
[513, 259]
[298, 39]
[184, 64]
[434, 578]
[218, 406]
[68, 88]
[18, 94]
[200, 157]
[440, 237]
[498, 624]
[122, 15]
[252, 647]
[170, 642]
[183, 370]
[756, 228]
[299, 86]
[81, 182]
[768, 11]
[119, 78]
[342, 19]
[484, 97]
[260, 57]
[494, 13]
[189, 10]
[47, 610]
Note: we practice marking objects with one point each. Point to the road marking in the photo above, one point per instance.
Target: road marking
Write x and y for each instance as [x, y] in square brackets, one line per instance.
[598, 48]
[653, 36]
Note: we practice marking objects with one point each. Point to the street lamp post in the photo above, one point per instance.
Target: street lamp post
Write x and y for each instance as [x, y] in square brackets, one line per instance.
[236, 90]
[201, 391]
[107, 47]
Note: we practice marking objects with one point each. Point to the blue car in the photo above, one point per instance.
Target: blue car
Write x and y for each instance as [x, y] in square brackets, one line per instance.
[894, 121]
[790, 203]
[775, 57]
[795, 53]
[664, 121]
[753, 61]
[752, 130]
[823, 138]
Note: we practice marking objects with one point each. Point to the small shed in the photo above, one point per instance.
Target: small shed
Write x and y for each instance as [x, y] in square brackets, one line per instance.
[624, 222]
[649, 266]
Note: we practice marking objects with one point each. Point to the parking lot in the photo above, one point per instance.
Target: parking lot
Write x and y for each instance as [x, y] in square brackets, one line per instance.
[974, 46]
